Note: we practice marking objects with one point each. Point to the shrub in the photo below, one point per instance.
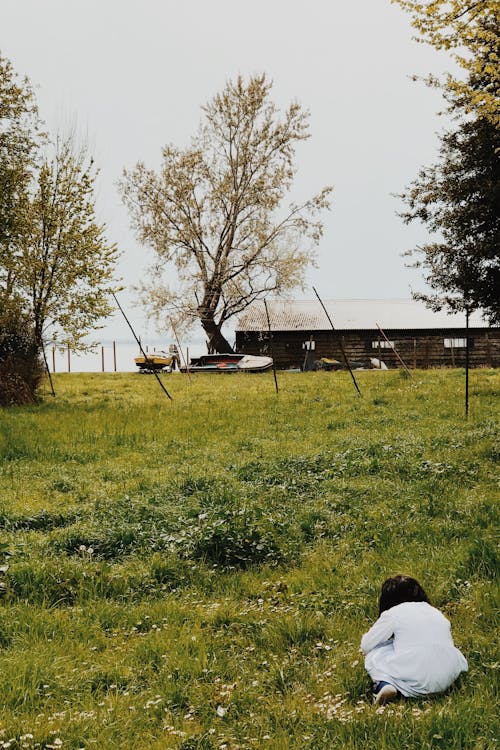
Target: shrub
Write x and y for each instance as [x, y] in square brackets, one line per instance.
[20, 365]
[230, 538]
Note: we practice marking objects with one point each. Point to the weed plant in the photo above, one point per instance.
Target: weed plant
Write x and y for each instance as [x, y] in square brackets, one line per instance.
[198, 574]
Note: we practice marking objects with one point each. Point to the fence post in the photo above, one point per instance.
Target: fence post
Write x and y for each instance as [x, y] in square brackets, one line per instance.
[102, 358]
[69, 359]
[114, 356]
[53, 359]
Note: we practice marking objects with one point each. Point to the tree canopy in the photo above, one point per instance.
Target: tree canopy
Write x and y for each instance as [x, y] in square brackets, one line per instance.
[213, 215]
[55, 263]
[458, 197]
[458, 200]
[470, 29]
[20, 139]
[64, 264]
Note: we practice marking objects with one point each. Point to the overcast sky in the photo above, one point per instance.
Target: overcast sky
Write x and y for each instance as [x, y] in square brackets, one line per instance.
[134, 73]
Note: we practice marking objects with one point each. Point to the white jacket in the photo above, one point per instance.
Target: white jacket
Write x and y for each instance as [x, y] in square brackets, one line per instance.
[411, 647]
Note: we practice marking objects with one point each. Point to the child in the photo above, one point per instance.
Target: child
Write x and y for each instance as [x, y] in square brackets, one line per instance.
[409, 650]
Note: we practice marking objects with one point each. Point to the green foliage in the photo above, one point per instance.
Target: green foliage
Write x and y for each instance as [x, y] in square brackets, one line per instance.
[483, 560]
[470, 31]
[200, 573]
[20, 365]
[55, 262]
[458, 200]
[236, 538]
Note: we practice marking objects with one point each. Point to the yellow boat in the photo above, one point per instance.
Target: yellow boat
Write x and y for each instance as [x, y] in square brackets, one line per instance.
[156, 361]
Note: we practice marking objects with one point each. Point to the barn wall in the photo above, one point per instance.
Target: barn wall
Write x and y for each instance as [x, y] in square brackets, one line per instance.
[421, 349]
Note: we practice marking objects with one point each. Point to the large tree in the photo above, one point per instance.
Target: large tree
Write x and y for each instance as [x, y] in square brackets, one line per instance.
[458, 199]
[56, 266]
[212, 213]
[470, 30]
[64, 264]
[20, 140]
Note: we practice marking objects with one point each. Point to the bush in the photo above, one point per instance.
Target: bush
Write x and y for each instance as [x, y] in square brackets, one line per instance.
[20, 365]
[230, 538]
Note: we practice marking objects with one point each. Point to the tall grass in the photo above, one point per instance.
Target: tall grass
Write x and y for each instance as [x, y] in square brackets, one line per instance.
[198, 574]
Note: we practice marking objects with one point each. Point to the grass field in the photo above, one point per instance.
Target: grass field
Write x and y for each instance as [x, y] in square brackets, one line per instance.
[198, 574]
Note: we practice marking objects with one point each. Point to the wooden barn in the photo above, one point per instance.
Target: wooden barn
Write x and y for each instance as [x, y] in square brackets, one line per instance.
[301, 335]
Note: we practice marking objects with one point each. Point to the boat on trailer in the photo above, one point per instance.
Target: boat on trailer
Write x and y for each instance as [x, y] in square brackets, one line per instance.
[220, 363]
[156, 361]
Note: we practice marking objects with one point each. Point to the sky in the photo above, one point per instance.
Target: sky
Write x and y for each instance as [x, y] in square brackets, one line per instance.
[133, 74]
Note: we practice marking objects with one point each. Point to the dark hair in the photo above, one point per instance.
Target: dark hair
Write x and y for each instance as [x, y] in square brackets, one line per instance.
[398, 590]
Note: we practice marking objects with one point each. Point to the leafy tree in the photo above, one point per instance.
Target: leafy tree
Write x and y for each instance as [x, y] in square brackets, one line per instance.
[470, 28]
[212, 212]
[458, 199]
[55, 264]
[20, 139]
[64, 266]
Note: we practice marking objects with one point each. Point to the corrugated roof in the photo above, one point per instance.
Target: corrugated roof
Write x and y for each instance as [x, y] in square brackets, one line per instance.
[350, 314]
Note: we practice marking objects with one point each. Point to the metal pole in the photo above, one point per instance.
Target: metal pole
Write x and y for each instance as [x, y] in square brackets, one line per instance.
[467, 313]
[340, 342]
[393, 349]
[114, 356]
[102, 358]
[69, 360]
[307, 343]
[53, 359]
[179, 348]
[271, 347]
[48, 371]
[140, 347]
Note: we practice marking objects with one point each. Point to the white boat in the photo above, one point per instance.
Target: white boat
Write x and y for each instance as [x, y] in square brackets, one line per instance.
[229, 363]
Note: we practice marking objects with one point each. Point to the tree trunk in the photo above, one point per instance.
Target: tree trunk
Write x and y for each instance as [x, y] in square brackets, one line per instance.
[216, 340]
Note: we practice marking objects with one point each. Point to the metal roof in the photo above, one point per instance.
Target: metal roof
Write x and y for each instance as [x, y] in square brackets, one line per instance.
[351, 314]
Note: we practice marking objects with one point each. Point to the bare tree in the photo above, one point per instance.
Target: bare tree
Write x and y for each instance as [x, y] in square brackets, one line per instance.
[212, 213]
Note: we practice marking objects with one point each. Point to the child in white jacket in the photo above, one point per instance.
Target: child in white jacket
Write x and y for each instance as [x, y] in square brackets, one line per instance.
[409, 650]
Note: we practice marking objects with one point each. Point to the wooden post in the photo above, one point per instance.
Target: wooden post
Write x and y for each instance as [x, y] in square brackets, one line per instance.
[53, 359]
[452, 348]
[415, 353]
[114, 356]
[102, 358]
[69, 360]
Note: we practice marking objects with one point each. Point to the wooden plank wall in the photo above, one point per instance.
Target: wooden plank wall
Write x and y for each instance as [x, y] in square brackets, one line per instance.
[418, 349]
